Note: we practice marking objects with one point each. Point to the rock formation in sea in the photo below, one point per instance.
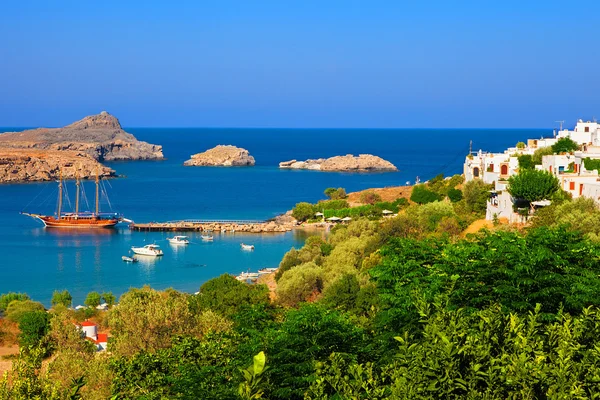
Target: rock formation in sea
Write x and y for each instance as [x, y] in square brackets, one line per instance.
[99, 136]
[347, 163]
[27, 165]
[225, 156]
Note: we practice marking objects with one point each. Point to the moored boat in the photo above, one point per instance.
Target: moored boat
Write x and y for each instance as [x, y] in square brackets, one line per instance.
[148, 250]
[208, 238]
[77, 218]
[179, 240]
[129, 259]
[247, 246]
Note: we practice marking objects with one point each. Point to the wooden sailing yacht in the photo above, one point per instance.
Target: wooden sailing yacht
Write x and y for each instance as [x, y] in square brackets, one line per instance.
[78, 219]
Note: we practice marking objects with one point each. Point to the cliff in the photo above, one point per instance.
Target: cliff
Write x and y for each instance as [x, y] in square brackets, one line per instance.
[27, 165]
[100, 136]
[226, 156]
[347, 163]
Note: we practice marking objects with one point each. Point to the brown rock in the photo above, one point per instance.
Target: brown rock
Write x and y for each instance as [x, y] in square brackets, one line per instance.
[347, 163]
[226, 156]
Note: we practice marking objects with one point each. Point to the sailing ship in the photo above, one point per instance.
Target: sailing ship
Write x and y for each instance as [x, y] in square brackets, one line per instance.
[78, 219]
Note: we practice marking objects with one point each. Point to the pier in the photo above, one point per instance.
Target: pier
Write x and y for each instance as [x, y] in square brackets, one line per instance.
[201, 225]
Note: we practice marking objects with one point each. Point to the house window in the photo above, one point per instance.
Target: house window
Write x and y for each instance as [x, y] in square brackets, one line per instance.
[587, 129]
[580, 188]
[475, 172]
[571, 185]
[550, 169]
[504, 169]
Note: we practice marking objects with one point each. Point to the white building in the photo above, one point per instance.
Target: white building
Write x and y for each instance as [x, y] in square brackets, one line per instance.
[493, 168]
[586, 133]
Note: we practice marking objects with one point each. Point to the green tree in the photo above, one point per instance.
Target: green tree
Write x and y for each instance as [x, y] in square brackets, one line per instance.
[521, 145]
[421, 195]
[7, 298]
[336, 194]
[526, 162]
[455, 195]
[476, 194]
[299, 284]
[564, 145]
[343, 293]
[33, 326]
[303, 211]
[226, 295]
[540, 153]
[533, 185]
[63, 298]
[109, 298]
[93, 299]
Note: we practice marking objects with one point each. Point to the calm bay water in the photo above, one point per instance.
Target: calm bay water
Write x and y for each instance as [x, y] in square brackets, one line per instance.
[37, 260]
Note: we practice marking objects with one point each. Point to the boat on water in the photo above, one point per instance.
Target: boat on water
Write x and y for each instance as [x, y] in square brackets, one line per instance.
[129, 259]
[77, 218]
[244, 276]
[208, 238]
[179, 240]
[148, 250]
[247, 246]
[264, 271]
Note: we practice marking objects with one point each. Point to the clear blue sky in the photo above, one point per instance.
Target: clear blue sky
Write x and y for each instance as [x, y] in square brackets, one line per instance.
[302, 63]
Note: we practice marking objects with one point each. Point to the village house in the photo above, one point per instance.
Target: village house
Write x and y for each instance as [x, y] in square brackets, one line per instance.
[89, 331]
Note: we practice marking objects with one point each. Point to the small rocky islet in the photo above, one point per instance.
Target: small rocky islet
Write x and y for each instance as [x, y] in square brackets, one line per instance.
[76, 150]
[221, 156]
[347, 163]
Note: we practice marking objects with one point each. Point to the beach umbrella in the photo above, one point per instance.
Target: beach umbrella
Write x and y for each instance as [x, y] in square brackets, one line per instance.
[387, 212]
[333, 219]
[346, 219]
[319, 214]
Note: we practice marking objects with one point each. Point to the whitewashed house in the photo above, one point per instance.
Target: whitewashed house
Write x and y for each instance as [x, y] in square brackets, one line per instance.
[89, 330]
[586, 133]
[492, 168]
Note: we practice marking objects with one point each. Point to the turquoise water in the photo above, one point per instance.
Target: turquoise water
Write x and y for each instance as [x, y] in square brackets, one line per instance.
[37, 260]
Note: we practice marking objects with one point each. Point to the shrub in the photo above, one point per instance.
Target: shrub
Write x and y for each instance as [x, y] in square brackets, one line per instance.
[226, 295]
[591, 164]
[476, 194]
[369, 197]
[421, 195]
[7, 298]
[526, 162]
[300, 284]
[564, 145]
[63, 298]
[33, 326]
[455, 195]
[520, 145]
[336, 194]
[93, 299]
[540, 153]
[16, 309]
[303, 211]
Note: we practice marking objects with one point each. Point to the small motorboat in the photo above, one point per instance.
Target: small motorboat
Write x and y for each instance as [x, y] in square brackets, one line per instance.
[266, 271]
[148, 250]
[179, 240]
[244, 276]
[129, 259]
[247, 246]
[208, 238]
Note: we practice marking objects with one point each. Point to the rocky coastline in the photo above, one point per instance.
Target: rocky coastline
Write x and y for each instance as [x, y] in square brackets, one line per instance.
[347, 163]
[79, 148]
[221, 156]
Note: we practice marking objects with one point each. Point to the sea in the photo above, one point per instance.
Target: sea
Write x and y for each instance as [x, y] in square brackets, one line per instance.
[38, 261]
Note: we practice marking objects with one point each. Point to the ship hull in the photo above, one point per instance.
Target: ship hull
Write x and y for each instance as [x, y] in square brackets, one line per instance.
[86, 223]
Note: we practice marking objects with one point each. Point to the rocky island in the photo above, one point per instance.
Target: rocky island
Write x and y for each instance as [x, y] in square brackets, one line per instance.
[221, 156]
[99, 136]
[76, 149]
[347, 163]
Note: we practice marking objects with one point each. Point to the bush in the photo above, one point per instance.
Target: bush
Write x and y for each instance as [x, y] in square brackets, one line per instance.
[421, 195]
[369, 197]
[16, 309]
[303, 211]
[7, 298]
[526, 162]
[33, 326]
[336, 194]
[520, 145]
[476, 194]
[564, 145]
[539, 154]
[455, 195]
[331, 205]
[93, 299]
[226, 295]
[591, 164]
[300, 284]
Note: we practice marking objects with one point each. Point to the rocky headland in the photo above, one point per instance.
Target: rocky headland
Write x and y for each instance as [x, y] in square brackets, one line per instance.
[347, 163]
[27, 165]
[221, 156]
[100, 136]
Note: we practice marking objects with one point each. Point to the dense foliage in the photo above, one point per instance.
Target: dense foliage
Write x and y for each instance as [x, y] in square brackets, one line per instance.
[564, 145]
[533, 185]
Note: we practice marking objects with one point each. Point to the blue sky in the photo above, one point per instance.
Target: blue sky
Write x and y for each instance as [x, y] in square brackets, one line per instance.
[380, 64]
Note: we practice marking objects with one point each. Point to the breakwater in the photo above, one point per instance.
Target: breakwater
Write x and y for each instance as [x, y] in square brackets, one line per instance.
[246, 226]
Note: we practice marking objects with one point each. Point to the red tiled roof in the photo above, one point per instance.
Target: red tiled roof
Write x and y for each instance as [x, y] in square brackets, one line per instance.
[102, 338]
[87, 323]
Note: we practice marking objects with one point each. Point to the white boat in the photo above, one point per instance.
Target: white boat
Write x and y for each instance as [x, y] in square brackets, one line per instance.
[179, 240]
[244, 276]
[208, 238]
[148, 250]
[247, 246]
[267, 271]
[128, 259]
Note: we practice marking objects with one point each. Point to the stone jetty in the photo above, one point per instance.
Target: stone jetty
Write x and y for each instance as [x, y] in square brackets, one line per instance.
[215, 226]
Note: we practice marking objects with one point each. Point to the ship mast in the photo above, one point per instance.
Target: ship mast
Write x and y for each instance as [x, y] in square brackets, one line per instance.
[77, 183]
[60, 195]
[97, 194]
